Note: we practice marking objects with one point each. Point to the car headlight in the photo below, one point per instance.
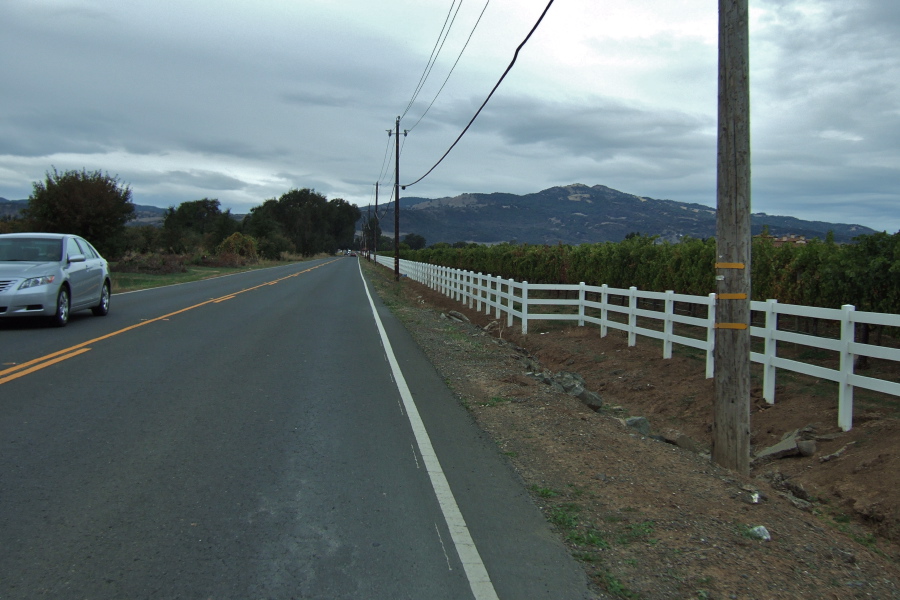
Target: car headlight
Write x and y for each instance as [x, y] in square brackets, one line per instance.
[36, 281]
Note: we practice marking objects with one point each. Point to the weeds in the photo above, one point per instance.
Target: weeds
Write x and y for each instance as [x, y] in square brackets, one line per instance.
[564, 516]
[544, 492]
[590, 537]
[494, 401]
[635, 532]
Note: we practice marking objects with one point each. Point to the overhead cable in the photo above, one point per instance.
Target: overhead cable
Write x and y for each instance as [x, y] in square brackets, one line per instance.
[469, 39]
[483, 104]
[384, 162]
[438, 45]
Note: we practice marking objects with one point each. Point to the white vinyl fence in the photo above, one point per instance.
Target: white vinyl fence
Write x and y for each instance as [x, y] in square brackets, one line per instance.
[485, 292]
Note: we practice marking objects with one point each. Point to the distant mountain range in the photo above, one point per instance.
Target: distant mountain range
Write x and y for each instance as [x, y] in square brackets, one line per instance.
[576, 214]
[572, 214]
[143, 215]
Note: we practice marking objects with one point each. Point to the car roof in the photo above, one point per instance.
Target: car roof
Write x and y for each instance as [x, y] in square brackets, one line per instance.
[49, 236]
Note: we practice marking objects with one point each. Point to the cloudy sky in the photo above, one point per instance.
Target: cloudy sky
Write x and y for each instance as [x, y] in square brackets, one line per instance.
[242, 100]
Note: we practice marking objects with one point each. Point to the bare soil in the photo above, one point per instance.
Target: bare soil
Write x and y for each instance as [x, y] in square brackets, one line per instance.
[649, 518]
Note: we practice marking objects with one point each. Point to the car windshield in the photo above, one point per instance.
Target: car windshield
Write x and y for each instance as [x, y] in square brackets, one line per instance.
[30, 249]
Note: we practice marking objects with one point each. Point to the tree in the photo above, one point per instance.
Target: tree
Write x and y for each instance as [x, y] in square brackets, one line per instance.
[414, 241]
[93, 205]
[198, 223]
[341, 224]
[197, 215]
[307, 219]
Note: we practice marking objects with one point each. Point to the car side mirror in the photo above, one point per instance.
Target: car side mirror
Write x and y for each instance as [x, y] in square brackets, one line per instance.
[76, 258]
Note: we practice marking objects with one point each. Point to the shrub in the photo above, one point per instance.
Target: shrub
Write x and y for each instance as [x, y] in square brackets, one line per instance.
[238, 244]
[151, 263]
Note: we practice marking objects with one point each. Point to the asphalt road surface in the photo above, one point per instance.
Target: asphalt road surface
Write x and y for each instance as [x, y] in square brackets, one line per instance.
[273, 434]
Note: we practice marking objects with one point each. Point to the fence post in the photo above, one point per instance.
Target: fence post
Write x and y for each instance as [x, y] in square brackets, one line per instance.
[632, 315]
[498, 288]
[478, 289]
[845, 388]
[464, 287]
[581, 300]
[771, 351]
[524, 307]
[467, 288]
[711, 337]
[471, 288]
[604, 313]
[667, 325]
[509, 302]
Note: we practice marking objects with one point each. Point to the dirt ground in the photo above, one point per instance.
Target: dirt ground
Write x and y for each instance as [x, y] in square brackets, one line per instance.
[647, 514]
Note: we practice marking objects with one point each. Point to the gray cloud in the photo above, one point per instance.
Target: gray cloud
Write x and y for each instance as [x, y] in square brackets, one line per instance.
[187, 101]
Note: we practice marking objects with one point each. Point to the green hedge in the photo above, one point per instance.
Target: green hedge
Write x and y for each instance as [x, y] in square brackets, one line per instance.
[820, 273]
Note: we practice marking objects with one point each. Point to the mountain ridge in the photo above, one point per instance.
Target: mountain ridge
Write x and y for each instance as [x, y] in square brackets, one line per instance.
[576, 214]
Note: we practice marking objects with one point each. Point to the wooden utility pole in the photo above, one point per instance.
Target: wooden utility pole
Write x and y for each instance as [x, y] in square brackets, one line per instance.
[397, 199]
[731, 419]
[397, 204]
[375, 243]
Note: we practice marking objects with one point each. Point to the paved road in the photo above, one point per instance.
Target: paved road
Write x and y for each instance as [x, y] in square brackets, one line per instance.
[252, 437]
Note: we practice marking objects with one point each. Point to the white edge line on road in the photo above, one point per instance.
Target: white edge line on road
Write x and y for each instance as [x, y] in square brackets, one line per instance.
[476, 573]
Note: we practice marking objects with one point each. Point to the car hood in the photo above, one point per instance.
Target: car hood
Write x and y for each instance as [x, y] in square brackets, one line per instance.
[25, 269]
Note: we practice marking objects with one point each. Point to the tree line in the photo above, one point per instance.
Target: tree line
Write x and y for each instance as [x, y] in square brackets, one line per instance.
[98, 206]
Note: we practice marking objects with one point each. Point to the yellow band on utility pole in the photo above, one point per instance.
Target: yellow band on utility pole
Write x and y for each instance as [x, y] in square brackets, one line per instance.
[731, 326]
[729, 265]
[731, 296]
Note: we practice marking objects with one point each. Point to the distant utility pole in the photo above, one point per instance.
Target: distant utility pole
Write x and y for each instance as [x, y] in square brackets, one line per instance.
[731, 416]
[375, 243]
[397, 200]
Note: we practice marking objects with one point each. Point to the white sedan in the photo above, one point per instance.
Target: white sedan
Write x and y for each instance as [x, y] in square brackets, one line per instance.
[51, 275]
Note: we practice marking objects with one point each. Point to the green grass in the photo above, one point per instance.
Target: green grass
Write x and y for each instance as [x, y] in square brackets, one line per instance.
[637, 532]
[589, 537]
[575, 491]
[128, 282]
[544, 492]
[494, 401]
[565, 516]
[616, 587]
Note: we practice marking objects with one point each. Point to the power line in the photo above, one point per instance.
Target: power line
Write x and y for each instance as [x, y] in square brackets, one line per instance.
[383, 172]
[502, 77]
[438, 46]
[469, 39]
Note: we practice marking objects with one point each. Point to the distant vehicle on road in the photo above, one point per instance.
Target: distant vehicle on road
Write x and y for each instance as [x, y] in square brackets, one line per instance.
[51, 275]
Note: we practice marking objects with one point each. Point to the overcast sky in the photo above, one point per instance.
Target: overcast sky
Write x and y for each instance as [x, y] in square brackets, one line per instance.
[243, 100]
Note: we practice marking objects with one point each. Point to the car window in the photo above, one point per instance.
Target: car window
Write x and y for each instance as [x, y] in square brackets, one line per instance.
[30, 249]
[72, 248]
[86, 249]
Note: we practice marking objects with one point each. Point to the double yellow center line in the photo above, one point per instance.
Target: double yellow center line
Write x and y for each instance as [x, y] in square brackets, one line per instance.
[37, 364]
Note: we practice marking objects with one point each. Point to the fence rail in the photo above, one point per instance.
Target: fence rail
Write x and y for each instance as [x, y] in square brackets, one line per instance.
[487, 293]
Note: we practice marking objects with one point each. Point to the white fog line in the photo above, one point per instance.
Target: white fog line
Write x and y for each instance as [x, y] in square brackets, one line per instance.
[476, 573]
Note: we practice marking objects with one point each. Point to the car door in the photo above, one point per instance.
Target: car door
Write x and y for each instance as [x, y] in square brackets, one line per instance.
[93, 272]
[78, 273]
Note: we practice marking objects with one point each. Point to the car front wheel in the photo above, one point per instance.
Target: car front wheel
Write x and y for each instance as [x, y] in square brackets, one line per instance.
[102, 309]
[62, 307]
